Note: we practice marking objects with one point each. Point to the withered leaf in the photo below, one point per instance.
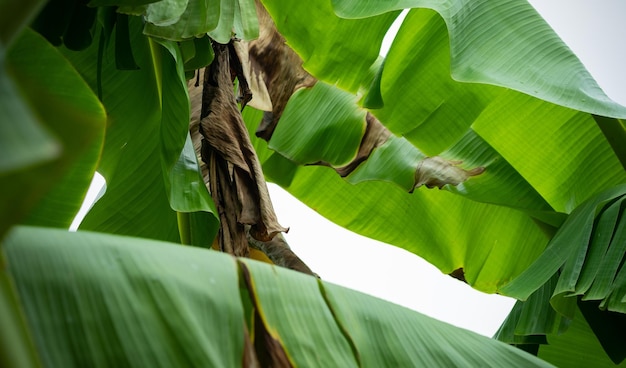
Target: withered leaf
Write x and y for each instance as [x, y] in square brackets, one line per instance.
[227, 139]
[274, 72]
[437, 172]
[232, 171]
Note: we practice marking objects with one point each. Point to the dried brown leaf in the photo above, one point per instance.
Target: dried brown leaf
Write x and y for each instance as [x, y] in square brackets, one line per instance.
[274, 72]
[227, 139]
[375, 136]
[437, 172]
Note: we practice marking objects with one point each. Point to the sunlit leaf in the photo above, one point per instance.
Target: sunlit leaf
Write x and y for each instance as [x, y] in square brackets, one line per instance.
[487, 42]
[439, 226]
[478, 124]
[338, 51]
[551, 146]
[422, 101]
[332, 132]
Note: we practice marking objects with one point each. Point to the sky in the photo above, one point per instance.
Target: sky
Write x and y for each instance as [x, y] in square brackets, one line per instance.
[596, 32]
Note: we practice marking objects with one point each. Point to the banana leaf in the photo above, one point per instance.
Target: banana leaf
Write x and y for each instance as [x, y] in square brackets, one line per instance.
[146, 138]
[54, 125]
[99, 299]
[450, 88]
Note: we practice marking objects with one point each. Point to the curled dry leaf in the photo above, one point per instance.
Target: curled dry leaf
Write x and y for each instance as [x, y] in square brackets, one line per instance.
[274, 72]
[437, 172]
[237, 183]
[375, 135]
[231, 168]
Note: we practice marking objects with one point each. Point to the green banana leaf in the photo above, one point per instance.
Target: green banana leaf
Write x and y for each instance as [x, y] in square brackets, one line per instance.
[487, 42]
[180, 20]
[145, 139]
[587, 251]
[99, 299]
[54, 124]
[49, 118]
[532, 320]
[338, 51]
[577, 347]
[564, 342]
[584, 264]
[538, 156]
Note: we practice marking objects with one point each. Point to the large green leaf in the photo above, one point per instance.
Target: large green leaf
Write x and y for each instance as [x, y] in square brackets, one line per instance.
[132, 149]
[520, 140]
[97, 299]
[17, 348]
[246, 21]
[443, 228]
[338, 51]
[588, 250]
[530, 321]
[577, 347]
[489, 39]
[143, 157]
[53, 93]
[404, 338]
[551, 147]
[422, 101]
[334, 129]
[321, 342]
[533, 136]
[532, 325]
[586, 259]
[25, 143]
[183, 182]
[437, 226]
[119, 301]
[332, 132]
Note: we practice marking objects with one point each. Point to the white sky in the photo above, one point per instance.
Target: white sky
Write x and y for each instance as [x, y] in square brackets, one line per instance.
[596, 32]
